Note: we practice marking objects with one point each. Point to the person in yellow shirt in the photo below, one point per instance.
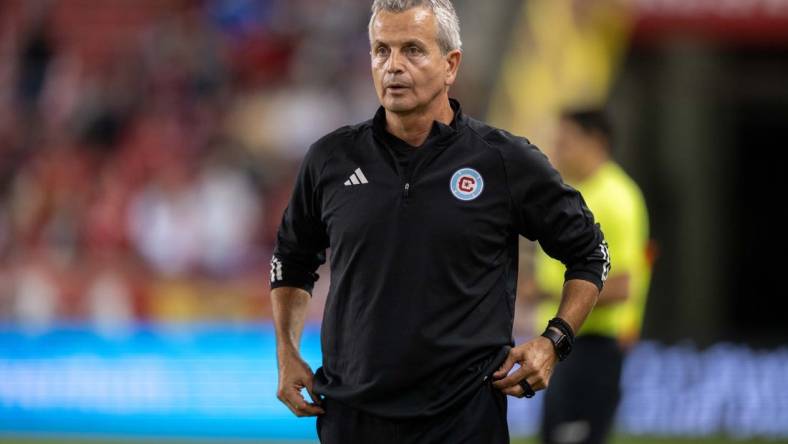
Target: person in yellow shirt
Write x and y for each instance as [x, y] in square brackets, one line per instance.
[581, 401]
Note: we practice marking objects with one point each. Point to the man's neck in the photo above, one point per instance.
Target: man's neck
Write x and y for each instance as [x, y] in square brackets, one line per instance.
[415, 127]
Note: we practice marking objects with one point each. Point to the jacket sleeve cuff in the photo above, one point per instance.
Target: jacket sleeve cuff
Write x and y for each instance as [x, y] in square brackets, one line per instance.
[308, 287]
[287, 274]
[585, 275]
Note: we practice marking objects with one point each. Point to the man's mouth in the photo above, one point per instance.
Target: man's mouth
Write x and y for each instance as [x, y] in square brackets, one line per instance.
[395, 87]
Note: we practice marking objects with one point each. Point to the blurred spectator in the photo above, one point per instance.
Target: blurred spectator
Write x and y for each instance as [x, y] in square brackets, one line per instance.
[35, 56]
[109, 303]
[36, 296]
[148, 156]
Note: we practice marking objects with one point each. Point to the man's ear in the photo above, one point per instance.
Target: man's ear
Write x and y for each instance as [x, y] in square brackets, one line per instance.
[453, 60]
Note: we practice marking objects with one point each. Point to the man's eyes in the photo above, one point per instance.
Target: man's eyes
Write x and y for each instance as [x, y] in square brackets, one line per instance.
[410, 51]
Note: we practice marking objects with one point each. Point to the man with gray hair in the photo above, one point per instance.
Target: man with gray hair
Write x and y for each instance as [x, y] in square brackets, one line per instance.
[422, 207]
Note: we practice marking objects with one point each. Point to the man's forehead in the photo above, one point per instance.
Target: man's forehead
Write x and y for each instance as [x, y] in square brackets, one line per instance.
[416, 23]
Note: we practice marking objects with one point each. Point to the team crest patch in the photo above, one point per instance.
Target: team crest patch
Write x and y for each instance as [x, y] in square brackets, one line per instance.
[466, 184]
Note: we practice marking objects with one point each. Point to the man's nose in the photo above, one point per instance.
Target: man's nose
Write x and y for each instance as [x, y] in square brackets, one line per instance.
[394, 63]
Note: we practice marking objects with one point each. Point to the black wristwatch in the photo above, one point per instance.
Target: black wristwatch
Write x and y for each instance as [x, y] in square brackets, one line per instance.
[561, 335]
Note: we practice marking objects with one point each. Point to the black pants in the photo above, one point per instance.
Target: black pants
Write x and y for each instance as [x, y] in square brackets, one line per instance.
[481, 419]
[581, 400]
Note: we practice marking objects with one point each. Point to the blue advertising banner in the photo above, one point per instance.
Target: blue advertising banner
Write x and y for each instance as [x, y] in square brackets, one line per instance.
[219, 381]
[206, 381]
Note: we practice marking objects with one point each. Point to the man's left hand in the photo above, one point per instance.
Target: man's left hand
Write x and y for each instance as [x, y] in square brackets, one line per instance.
[537, 359]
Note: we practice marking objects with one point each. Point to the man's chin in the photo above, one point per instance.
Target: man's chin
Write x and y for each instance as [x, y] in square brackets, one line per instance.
[398, 106]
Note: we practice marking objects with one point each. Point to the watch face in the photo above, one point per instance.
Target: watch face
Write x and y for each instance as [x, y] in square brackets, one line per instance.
[563, 346]
[561, 343]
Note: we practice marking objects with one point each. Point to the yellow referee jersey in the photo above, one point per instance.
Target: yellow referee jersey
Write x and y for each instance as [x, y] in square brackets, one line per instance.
[619, 207]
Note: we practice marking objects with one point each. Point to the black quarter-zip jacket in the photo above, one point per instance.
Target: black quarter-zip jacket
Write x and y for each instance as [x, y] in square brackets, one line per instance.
[424, 255]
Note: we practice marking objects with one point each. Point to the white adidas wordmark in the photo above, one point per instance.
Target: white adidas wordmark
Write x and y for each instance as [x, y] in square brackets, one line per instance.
[357, 178]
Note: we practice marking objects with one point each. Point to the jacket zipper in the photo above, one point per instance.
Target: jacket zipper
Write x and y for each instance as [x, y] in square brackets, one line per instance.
[414, 168]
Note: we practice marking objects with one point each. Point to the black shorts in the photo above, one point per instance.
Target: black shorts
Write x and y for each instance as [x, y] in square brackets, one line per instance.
[581, 400]
[481, 419]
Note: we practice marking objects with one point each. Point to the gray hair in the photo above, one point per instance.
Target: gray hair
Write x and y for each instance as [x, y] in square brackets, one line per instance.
[445, 16]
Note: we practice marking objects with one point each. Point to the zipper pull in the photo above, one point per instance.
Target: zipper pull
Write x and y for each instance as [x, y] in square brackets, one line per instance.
[405, 192]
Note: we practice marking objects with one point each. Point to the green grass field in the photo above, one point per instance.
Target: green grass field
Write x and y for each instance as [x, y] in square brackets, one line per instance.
[616, 440]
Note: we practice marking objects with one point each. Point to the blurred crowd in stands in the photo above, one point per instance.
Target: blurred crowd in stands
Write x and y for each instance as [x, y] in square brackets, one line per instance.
[147, 149]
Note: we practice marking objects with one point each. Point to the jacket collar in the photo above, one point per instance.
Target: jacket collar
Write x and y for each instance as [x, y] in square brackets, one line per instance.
[439, 135]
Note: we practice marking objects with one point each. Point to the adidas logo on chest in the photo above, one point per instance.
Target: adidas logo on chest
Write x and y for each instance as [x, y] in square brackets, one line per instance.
[357, 178]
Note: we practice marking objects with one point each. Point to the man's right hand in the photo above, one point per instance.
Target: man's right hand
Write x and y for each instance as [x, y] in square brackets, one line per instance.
[294, 375]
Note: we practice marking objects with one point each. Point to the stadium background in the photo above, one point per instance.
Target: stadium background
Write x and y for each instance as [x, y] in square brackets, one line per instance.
[148, 147]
